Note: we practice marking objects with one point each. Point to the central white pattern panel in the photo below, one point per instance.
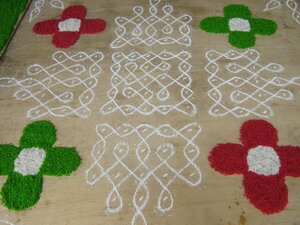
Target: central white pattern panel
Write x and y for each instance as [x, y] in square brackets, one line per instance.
[150, 82]
[144, 156]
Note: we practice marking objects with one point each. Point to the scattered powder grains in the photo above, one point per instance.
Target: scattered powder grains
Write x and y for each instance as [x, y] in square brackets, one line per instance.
[9, 14]
[26, 165]
[68, 29]
[240, 25]
[262, 162]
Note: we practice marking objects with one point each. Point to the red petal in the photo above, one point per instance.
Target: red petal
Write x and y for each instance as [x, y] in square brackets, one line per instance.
[46, 27]
[290, 160]
[267, 193]
[65, 39]
[229, 159]
[258, 132]
[75, 11]
[91, 26]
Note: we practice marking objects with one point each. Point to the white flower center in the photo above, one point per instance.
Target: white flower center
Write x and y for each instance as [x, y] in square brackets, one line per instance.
[29, 161]
[239, 24]
[69, 25]
[263, 160]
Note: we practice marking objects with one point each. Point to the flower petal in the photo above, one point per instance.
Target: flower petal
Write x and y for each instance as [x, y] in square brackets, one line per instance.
[229, 159]
[91, 26]
[290, 160]
[40, 134]
[65, 39]
[46, 27]
[20, 192]
[242, 39]
[263, 26]
[267, 193]
[237, 11]
[75, 11]
[258, 132]
[60, 161]
[215, 25]
[8, 154]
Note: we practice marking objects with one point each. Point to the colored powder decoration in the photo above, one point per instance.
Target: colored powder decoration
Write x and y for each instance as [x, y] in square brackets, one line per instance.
[10, 11]
[68, 29]
[263, 163]
[240, 25]
[26, 165]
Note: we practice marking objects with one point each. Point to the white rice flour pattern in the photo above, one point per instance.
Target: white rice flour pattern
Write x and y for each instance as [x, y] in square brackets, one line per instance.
[150, 82]
[61, 89]
[154, 81]
[155, 27]
[243, 87]
[121, 160]
[291, 4]
[38, 4]
[4, 222]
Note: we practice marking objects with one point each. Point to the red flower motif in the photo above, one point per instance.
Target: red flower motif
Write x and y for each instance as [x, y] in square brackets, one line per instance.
[68, 29]
[263, 163]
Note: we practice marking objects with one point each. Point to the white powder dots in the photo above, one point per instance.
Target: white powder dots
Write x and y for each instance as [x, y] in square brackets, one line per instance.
[70, 25]
[29, 161]
[239, 24]
[263, 160]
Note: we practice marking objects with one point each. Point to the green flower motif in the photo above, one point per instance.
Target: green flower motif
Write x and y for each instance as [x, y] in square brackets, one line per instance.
[26, 165]
[240, 25]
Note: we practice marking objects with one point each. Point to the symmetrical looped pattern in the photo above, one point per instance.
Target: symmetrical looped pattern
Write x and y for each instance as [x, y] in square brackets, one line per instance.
[154, 160]
[147, 83]
[38, 4]
[291, 4]
[61, 89]
[244, 87]
[155, 27]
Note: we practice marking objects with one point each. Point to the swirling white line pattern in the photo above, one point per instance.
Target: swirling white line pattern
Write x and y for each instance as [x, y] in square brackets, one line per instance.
[38, 4]
[156, 27]
[154, 160]
[61, 89]
[242, 86]
[291, 4]
[147, 83]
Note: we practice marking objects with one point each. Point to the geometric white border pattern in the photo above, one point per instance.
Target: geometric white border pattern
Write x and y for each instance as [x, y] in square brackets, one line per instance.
[150, 82]
[54, 87]
[152, 28]
[291, 4]
[249, 87]
[120, 162]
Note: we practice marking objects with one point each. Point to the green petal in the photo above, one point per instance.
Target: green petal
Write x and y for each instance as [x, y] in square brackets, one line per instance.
[40, 134]
[8, 154]
[263, 26]
[20, 192]
[237, 11]
[60, 161]
[242, 39]
[215, 25]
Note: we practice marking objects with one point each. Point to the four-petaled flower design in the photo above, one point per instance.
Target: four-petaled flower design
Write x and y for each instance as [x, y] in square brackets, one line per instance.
[240, 25]
[68, 29]
[263, 163]
[25, 165]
